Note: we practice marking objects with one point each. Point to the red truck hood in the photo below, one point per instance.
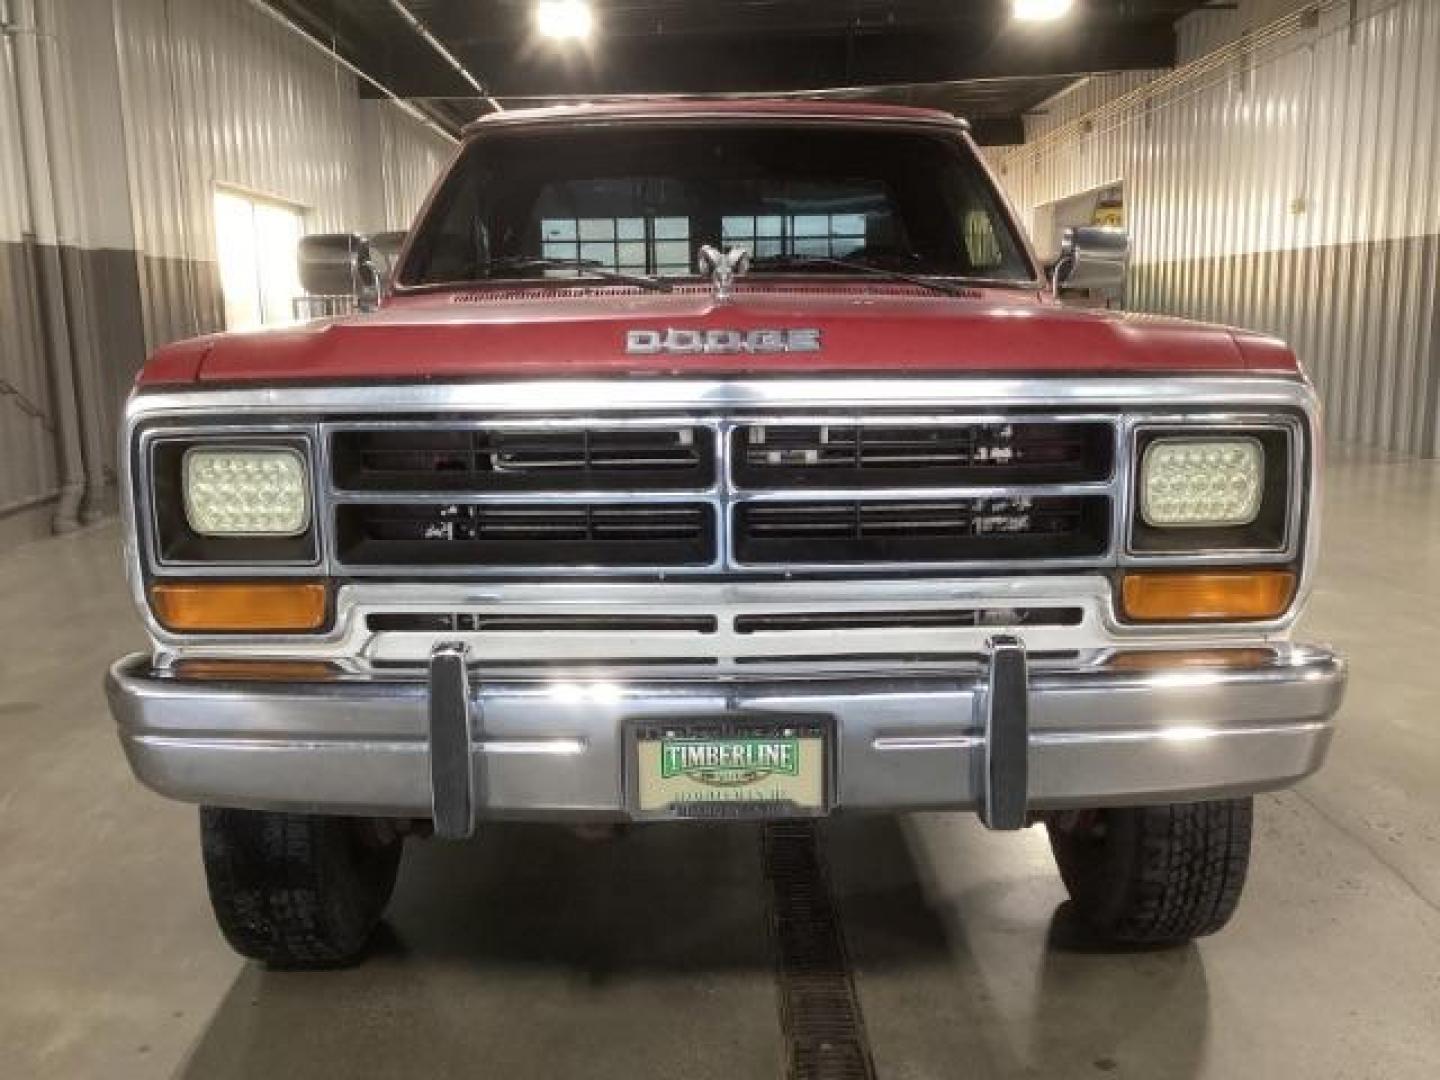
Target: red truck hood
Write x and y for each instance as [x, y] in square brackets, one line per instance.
[536, 333]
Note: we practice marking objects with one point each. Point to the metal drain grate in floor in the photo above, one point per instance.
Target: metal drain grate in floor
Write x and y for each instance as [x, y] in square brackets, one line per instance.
[819, 1012]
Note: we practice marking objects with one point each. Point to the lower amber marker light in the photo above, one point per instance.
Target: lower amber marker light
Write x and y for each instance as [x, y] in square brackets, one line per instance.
[236, 606]
[1207, 595]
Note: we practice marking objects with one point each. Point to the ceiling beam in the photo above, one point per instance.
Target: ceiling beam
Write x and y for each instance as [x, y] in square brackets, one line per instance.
[716, 63]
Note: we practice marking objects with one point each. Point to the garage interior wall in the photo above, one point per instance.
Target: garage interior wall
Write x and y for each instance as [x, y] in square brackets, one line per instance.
[1287, 180]
[118, 119]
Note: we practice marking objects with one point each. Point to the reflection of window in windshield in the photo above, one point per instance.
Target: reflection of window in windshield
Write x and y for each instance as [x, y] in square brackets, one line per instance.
[643, 201]
[634, 244]
[831, 236]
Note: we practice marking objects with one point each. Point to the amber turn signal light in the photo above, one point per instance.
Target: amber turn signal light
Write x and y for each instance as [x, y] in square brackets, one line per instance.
[230, 606]
[1206, 595]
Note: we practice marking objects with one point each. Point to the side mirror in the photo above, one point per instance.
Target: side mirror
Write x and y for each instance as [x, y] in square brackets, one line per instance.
[1093, 259]
[339, 264]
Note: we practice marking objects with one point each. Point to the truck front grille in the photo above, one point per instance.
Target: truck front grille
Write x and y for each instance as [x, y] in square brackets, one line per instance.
[718, 494]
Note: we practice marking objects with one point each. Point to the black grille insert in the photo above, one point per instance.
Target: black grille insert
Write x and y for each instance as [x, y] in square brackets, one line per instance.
[940, 531]
[525, 534]
[910, 455]
[487, 459]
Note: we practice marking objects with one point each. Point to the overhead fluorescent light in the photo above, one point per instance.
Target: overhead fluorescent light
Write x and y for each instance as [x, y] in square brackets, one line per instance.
[564, 20]
[1040, 10]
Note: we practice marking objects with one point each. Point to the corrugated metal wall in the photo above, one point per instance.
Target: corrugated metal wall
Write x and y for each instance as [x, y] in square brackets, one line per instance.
[406, 160]
[148, 105]
[1208, 29]
[29, 472]
[1082, 97]
[41, 455]
[1289, 182]
[214, 93]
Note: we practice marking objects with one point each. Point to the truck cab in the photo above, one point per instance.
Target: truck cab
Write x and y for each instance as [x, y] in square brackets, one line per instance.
[720, 461]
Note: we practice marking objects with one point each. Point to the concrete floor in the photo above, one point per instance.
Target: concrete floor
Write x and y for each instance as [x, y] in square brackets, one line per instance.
[531, 953]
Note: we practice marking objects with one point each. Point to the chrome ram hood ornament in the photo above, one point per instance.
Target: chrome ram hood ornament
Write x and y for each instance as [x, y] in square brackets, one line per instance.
[723, 267]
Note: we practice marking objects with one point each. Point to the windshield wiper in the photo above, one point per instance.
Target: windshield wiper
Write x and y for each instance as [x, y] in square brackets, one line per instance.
[591, 267]
[801, 262]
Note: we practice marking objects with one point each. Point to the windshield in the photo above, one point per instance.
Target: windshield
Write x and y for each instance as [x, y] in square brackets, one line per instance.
[643, 200]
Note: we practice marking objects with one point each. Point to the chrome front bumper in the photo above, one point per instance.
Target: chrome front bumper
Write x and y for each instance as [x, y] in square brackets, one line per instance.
[1000, 738]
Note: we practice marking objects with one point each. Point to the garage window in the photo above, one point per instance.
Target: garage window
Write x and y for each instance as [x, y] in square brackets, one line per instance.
[256, 244]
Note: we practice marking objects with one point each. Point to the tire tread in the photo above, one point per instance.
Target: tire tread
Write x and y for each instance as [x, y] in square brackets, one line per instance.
[287, 888]
[1169, 873]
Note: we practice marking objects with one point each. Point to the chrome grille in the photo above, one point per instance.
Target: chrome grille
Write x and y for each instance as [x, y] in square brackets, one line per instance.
[717, 494]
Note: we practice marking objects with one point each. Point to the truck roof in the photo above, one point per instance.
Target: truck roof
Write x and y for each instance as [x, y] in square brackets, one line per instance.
[642, 109]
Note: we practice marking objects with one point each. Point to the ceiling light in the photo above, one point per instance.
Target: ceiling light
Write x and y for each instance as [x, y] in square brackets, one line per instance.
[564, 20]
[1041, 10]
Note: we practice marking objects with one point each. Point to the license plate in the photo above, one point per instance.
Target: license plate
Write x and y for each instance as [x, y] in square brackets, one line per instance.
[729, 769]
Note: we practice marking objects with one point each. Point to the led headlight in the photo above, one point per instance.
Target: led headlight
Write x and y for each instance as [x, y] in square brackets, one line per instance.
[1204, 482]
[242, 492]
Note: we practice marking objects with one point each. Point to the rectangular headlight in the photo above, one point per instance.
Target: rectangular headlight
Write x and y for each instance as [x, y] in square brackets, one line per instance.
[238, 491]
[1202, 481]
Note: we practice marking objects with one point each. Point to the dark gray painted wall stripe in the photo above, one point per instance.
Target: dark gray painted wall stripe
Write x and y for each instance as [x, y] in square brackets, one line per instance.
[1363, 317]
[92, 311]
[27, 448]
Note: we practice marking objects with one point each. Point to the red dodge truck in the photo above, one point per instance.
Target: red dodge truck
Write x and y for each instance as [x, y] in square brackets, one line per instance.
[720, 461]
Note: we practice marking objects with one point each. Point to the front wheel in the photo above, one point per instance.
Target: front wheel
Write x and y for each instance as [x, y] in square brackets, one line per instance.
[1154, 875]
[298, 890]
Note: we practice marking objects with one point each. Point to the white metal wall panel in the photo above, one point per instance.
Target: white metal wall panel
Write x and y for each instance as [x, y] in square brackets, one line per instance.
[410, 159]
[214, 93]
[28, 466]
[13, 216]
[1208, 29]
[1083, 97]
[134, 110]
[1288, 182]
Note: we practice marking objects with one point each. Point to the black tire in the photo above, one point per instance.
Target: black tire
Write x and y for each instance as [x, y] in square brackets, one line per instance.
[298, 890]
[1154, 875]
